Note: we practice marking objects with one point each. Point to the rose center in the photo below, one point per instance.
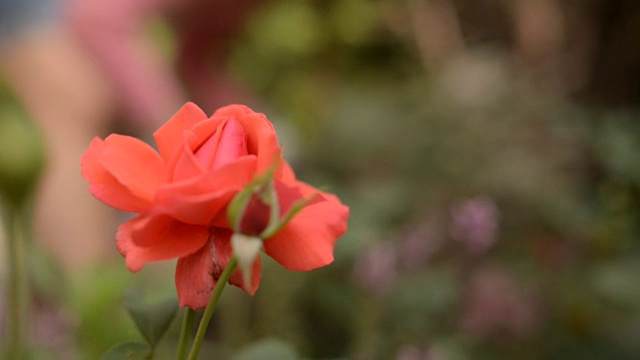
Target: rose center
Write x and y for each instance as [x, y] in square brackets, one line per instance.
[225, 148]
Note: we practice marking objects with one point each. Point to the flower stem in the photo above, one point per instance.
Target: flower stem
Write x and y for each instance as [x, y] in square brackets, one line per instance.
[211, 306]
[185, 334]
[18, 285]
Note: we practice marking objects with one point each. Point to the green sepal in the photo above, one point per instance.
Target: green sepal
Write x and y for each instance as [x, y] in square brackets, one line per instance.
[237, 206]
[239, 203]
[272, 199]
[276, 226]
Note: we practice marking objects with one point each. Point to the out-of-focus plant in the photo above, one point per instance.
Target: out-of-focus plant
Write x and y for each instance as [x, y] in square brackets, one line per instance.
[428, 150]
[21, 162]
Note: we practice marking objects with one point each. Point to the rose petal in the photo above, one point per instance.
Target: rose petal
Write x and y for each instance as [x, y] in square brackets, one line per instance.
[220, 144]
[104, 186]
[222, 255]
[261, 141]
[308, 240]
[233, 144]
[184, 165]
[134, 164]
[198, 200]
[118, 197]
[208, 134]
[169, 137]
[234, 110]
[197, 274]
[194, 280]
[261, 136]
[289, 194]
[92, 170]
[286, 174]
[163, 239]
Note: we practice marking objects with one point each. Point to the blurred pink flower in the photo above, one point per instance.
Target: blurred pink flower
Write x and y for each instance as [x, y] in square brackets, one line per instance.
[410, 352]
[375, 269]
[496, 305]
[419, 243]
[475, 224]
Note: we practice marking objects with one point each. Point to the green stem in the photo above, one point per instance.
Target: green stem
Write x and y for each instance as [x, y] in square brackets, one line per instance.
[211, 306]
[18, 287]
[185, 334]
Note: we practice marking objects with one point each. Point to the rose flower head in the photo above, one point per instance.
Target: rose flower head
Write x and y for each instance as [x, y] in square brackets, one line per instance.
[183, 191]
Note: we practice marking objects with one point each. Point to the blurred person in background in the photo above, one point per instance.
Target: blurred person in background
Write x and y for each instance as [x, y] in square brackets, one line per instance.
[147, 83]
[65, 95]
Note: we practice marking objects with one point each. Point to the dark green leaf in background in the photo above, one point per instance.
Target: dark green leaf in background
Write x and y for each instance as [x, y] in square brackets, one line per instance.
[152, 318]
[128, 351]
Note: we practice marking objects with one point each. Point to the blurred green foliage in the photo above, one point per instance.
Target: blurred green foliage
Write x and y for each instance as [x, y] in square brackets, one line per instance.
[402, 143]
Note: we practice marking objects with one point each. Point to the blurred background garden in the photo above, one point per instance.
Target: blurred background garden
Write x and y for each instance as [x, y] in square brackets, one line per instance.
[489, 152]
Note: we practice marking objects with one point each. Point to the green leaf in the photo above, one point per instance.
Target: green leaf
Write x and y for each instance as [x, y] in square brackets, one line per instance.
[152, 318]
[268, 349]
[128, 351]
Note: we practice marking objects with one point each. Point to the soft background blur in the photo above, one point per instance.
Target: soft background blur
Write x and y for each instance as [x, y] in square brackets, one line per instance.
[489, 152]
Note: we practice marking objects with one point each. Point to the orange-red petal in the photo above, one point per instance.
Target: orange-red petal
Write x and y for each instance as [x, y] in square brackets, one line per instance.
[198, 200]
[163, 238]
[184, 165]
[207, 134]
[261, 136]
[232, 144]
[135, 164]
[222, 254]
[197, 274]
[308, 240]
[105, 186]
[194, 279]
[169, 137]
[235, 110]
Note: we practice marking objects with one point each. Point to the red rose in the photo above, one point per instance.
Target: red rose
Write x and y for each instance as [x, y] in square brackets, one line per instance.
[182, 193]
